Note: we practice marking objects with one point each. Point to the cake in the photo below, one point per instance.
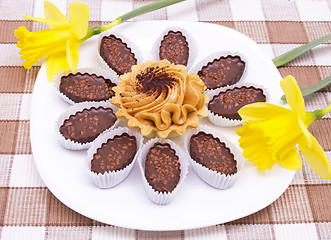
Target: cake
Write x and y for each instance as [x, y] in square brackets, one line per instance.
[84, 126]
[222, 71]
[160, 97]
[227, 103]
[211, 153]
[117, 54]
[174, 48]
[117, 153]
[81, 87]
[162, 168]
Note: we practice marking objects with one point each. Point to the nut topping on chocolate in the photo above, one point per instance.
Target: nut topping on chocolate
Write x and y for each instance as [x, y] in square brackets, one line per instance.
[212, 153]
[228, 103]
[162, 168]
[174, 48]
[117, 54]
[222, 72]
[85, 126]
[81, 87]
[115, 154]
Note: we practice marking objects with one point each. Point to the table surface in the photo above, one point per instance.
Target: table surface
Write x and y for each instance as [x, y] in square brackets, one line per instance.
[29, 211]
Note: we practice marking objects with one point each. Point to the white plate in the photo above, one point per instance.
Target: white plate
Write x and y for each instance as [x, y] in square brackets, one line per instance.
[127, 205]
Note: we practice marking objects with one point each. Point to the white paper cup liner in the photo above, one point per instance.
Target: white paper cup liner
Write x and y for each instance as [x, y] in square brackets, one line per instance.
[193, 46]
[111, 179]
[134, 48]
[213, 178]
[216, 55]
[73, 145]
[106, 73]
[224, 121]
[160, 197]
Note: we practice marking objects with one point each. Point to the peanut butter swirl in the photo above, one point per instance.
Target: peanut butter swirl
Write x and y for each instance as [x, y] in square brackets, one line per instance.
[160, 97]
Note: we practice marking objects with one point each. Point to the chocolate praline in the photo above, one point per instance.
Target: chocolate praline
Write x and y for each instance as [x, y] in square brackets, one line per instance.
[86, 125]
[81, 87]
[227, 104]
[115, 154]
[211, 153]
[162, 168]
[222, 72]
[117, 54]
[174, 48]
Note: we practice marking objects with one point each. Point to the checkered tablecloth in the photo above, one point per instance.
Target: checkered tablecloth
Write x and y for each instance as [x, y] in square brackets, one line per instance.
[29, 211]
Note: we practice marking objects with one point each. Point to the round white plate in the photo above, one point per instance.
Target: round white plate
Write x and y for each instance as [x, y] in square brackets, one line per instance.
[126, 205]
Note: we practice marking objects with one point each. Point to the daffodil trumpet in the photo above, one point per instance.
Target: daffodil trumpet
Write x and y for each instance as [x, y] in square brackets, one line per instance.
[271, 133]
[60, 43]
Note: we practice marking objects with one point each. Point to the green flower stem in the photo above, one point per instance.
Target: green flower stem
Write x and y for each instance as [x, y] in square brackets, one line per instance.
[99, 29]
[321, 112]
[310, 117]
[109, 26]
[314, 88]
[292, 54]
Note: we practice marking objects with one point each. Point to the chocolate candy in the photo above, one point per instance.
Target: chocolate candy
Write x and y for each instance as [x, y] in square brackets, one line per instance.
[117, 54]
[174, 48]
[212, 153]
[222, 72]
[162, 167]
[115, 154]
[81, 87]
[86, 125]
[227, 104]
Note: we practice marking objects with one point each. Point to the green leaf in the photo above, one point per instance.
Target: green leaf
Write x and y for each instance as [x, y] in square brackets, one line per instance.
[314, 88]
[292, 54]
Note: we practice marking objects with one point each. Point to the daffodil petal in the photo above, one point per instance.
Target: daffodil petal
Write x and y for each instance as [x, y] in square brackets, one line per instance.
[72, 53]
[305, 132]
[50, 22]
[293, 95]
[260, 111]
[55, 64]
[53, 13]
[292, 160]
[78, 16]
[316, 158]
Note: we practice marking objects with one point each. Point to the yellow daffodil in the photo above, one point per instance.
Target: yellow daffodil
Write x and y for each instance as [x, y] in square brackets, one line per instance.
[59, 43]
[271, 133]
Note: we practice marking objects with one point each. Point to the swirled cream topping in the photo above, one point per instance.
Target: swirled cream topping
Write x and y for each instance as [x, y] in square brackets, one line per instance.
[160, 97]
